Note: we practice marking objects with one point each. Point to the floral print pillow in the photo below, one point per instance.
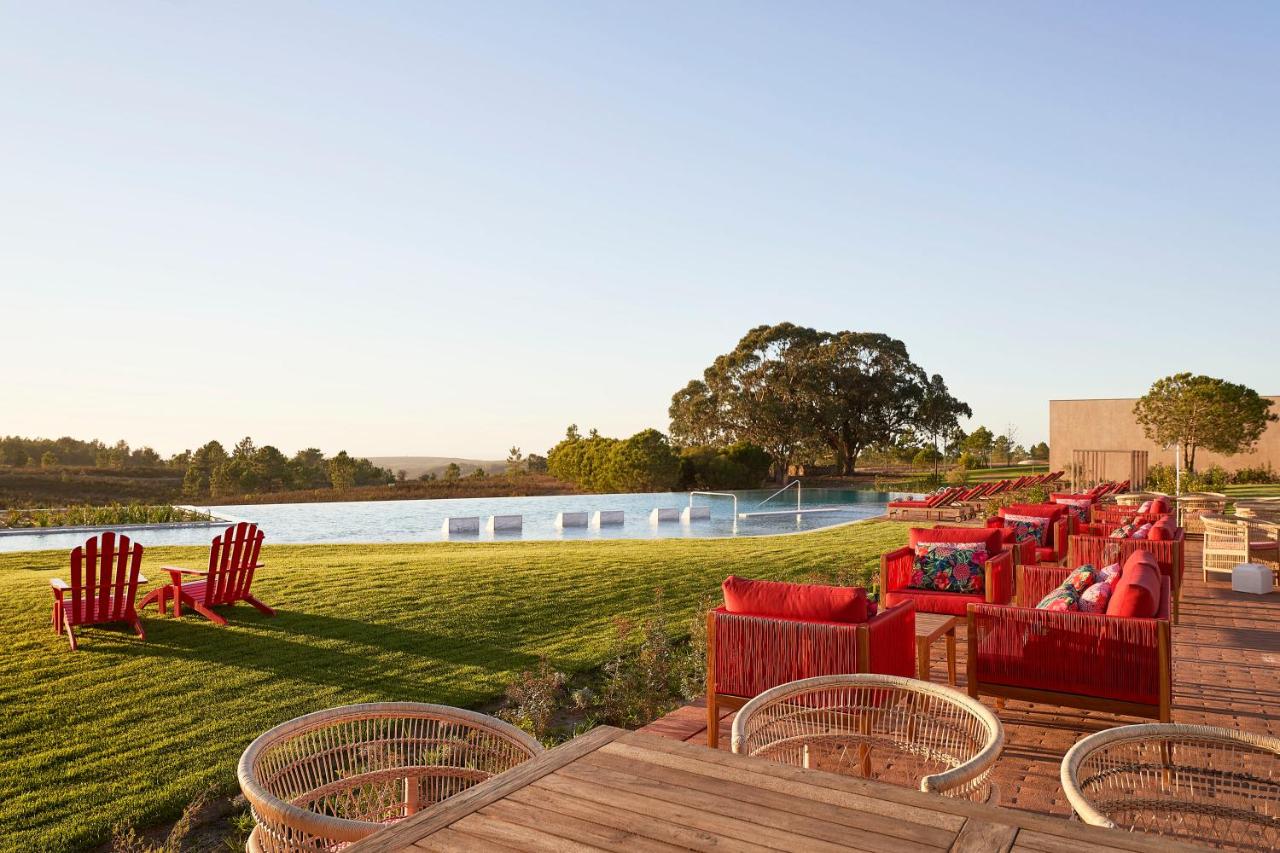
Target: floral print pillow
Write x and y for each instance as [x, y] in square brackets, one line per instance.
[1062, 598]
[1095, 598]
[1123, 531]
[1028, 527]
[949, 567]
[1079, 507]
[1109, 574]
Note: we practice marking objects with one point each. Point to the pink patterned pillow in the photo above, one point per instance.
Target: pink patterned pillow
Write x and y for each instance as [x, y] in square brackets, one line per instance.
[1109, 574]
[1095, 598]
[1141, 532]
[1145, 507]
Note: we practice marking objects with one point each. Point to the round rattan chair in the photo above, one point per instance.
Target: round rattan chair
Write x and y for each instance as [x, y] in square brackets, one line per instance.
[324, 780]
[1137, 498]
[1259, 509]
[884, 727]
[1192, 505]
[1218, 787]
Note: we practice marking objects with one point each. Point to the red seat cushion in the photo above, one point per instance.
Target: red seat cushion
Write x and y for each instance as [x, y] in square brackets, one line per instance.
[1137, 593]
[1046, 555]
[949, 603]
[990, 537]
[812, 602]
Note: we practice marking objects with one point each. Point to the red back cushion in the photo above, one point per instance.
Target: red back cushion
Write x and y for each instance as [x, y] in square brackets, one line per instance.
[1050, 511]
[991, 537]
[1159, 505]
[1163, 530]
[1137, 593]
[812, 602]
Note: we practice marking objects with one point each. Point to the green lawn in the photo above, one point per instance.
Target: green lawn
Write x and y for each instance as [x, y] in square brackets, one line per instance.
[125, 730]
[1265, 490]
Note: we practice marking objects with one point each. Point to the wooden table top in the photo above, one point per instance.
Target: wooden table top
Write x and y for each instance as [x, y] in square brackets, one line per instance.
[616, 790]
[932, 625]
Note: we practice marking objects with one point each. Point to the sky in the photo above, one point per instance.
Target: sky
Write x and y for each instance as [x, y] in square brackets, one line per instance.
[444, 229]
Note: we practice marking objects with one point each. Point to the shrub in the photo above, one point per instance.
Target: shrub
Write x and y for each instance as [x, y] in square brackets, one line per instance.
[535, 697]
[968, 461]
[1260, 474]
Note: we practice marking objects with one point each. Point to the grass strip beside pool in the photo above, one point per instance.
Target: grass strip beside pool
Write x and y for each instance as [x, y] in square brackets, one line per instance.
[130, 731]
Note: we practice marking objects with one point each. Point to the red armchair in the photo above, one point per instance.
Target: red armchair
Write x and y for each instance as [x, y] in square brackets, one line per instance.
[1165, 541]
[1118, 664]
[749, 653]
[1054, 549]
[997, 583]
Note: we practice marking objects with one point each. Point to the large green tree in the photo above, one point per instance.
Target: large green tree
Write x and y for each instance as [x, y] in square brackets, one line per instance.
[1201, 411]
[938, 416]
[864, 390]
[761, 392]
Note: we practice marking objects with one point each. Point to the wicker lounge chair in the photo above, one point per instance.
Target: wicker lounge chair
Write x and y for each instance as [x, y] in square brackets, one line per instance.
[1219, 787]
[892, 729]
[325, 780]
[1230, 540]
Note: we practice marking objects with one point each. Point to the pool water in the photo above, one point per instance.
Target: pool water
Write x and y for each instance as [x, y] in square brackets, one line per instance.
[422, 520]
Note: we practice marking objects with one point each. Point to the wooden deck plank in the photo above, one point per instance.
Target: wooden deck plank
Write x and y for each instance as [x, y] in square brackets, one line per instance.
[558, 805]
[744, 834]
[539, 815]
[526, 838]
[984, 836]
[907, 834]
[404, 833]
[449, 840]
[722, 802]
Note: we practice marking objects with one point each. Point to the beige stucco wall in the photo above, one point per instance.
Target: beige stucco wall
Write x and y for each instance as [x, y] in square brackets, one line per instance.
[1109, 425]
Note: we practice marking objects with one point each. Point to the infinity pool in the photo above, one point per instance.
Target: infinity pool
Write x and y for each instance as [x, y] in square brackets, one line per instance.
[422, 520]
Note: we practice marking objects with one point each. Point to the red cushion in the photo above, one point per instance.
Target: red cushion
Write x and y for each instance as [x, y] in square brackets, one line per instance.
[949, 603]
[1050, 511]
[1046, 555]
[990, 537]
[1163, 530]
[995, 521]
[1159, 505]
[1137, 593]
[795, 600]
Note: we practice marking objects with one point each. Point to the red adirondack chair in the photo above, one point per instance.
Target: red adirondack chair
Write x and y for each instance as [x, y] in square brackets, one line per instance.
[104, 582]
[233, 557]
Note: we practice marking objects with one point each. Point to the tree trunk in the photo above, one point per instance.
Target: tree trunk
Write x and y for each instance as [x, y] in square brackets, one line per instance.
[1189, 458]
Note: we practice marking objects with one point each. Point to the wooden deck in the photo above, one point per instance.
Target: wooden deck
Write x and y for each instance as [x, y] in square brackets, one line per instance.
[1226, 672]
[616, 790]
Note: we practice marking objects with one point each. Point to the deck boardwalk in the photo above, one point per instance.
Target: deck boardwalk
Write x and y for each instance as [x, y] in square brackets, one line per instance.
[616, 790]
[1226, 672]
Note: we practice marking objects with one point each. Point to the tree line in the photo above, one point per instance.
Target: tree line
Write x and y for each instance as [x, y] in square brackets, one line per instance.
[209, 470]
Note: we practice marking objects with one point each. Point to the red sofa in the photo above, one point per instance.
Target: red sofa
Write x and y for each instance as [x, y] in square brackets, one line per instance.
[1116, 663]
[1165, 541]
[769, 633]
[1055, 548]
[997, 584]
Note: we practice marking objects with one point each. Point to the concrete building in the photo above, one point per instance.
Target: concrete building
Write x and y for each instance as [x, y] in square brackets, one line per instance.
[1109, 425]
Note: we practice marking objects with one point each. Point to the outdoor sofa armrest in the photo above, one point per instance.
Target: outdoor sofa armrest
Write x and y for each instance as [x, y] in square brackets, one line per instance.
[891, 646]
[59, 584]
[178, 570]
[895, 569]
[998, 578]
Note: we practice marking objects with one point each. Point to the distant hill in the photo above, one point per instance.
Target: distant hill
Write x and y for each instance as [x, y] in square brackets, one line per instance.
[416, 466]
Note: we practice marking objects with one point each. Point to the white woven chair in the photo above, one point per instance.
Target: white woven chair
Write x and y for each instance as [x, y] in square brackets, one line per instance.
[1218, 787]
[1230, 540]
[884, 727]
[1193, 505]
[324, 780]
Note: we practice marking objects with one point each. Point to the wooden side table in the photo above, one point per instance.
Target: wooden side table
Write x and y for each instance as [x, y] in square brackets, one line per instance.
[929, 627]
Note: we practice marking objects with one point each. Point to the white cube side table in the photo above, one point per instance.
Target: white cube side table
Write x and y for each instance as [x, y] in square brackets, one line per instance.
[1251, 578]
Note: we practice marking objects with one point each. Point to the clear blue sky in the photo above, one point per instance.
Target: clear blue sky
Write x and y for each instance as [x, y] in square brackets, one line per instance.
[445, 229]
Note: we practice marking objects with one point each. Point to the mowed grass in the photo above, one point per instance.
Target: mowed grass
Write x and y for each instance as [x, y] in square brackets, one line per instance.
[130, 731]
[1244, 491]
